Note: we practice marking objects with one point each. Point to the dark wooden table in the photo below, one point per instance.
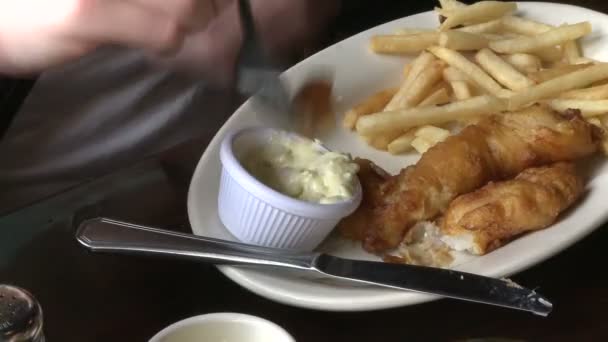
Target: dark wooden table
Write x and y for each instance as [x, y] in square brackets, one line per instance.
[88, 297]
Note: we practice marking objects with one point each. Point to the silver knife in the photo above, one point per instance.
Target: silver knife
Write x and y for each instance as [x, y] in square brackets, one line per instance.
[106, 235]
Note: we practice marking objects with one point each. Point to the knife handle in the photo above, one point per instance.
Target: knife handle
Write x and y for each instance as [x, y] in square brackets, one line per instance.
[111, 236]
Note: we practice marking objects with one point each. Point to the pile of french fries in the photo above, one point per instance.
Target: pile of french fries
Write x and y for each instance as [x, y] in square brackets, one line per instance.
[483, 59]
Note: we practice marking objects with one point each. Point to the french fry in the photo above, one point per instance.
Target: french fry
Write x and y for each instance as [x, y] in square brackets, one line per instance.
[373, 104]
[410, 31]
[572, 52]
[366, 139]
[419, 88]
[403, 44]
[473, 72]
[423, 61]
[494, 36]
[381, 142]
[427, 137]
[421, 145]
[379, 123]
[551, 38]
[469, 121]
[588, 108]
[463, 41]
[594, 93]
[418, 65]
[554, 87]
[441, 84]
[451, 4]
[350, 119]
[452, 74]
[523, 62]
[439, 96]
[549, 74]
[585, 60]
[524, 26]
[516, 62]
[406, 70]
[476, 13]
[402, 144]
[492, 26]
[502, 71]
[461, 90]
[554, 65]
[599, 83]
[432, 133]
[551, 54]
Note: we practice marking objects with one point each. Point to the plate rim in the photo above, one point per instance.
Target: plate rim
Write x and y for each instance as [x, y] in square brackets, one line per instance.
[389, 298]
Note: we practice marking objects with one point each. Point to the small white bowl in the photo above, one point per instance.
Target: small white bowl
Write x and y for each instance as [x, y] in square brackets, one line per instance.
[225, 327]
[257, 214]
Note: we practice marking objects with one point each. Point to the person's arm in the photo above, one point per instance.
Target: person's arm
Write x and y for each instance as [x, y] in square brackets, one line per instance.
[36, 35]
[288, 30]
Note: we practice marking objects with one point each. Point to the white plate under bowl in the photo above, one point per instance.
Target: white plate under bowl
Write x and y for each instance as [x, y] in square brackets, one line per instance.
[358, 73]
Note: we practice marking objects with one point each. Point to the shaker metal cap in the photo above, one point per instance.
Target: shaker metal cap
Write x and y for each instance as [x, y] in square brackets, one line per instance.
[20, 315]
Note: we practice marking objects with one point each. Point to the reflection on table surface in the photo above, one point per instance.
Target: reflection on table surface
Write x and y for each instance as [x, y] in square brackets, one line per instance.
[90, 297]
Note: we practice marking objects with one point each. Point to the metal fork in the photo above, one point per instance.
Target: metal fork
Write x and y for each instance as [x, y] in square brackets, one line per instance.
[255, 73]
[307, 111]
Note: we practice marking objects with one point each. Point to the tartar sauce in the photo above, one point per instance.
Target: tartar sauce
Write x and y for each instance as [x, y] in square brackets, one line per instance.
[299, 168]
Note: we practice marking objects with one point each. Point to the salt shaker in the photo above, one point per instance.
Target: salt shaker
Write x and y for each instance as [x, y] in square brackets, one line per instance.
[20, 316]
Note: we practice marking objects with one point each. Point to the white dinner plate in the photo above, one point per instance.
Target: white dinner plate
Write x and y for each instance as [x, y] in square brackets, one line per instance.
[359, 72]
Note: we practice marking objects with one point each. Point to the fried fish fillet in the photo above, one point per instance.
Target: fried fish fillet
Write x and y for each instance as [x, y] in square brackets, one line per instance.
[498, 147]
[371, 178]
[484, 220]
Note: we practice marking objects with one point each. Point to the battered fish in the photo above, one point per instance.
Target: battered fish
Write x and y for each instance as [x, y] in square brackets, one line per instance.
[484, 220]
[498, 147]
[371, 178]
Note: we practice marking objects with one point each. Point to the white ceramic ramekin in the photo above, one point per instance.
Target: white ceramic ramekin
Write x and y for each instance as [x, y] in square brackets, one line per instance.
[257, 214]
[228, 327]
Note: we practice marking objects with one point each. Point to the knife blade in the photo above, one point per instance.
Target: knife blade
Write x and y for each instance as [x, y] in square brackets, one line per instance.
[111, 236]
[442, 282]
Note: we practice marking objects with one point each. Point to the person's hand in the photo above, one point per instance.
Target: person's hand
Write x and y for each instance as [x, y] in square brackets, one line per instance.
[38, 34]
[200, 35]
[288, 29]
